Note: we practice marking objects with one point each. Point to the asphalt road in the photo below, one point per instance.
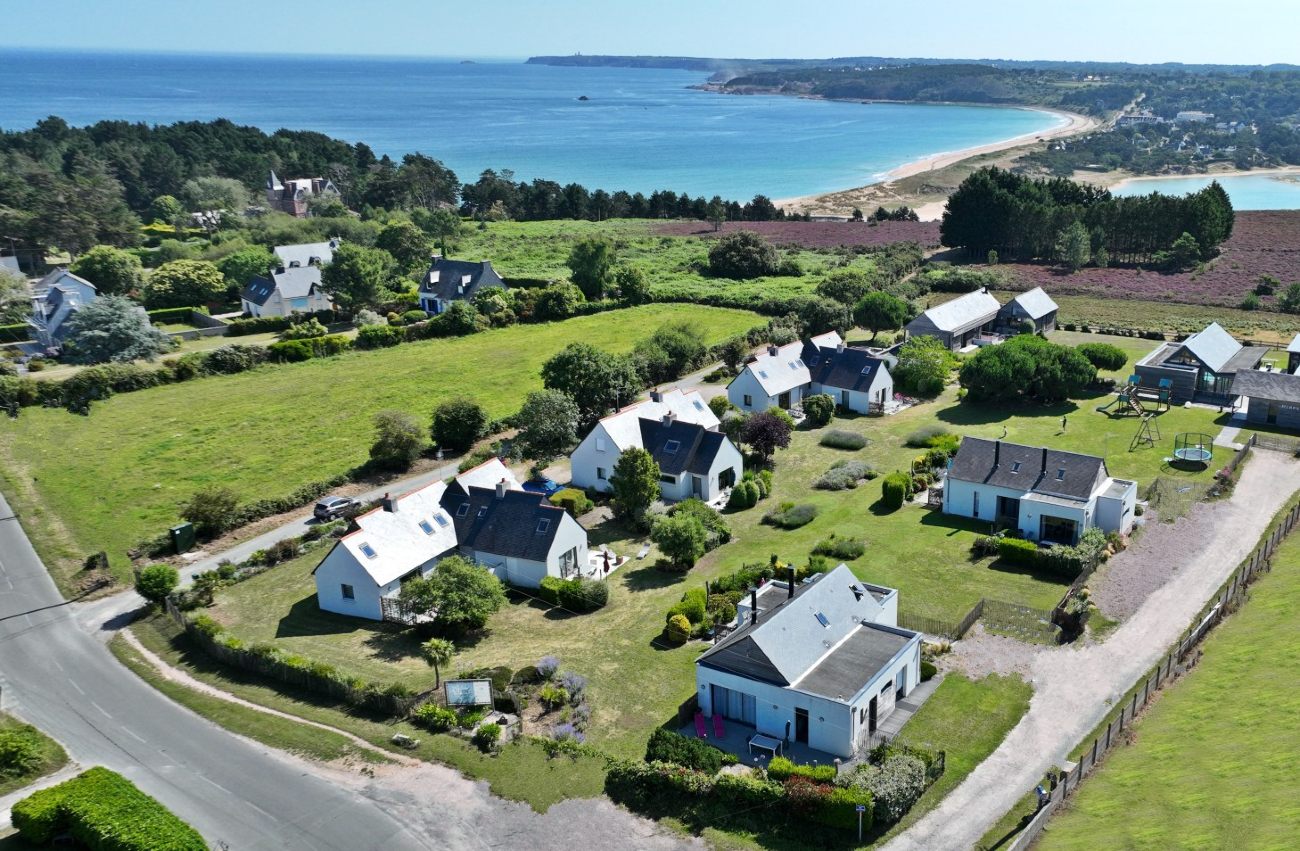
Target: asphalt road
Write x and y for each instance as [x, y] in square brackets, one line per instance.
[59, 677]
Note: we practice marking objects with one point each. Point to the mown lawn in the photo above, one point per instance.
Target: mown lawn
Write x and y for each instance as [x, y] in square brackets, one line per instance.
[50, 756]
[1212, 764]
[672, 263]
[106, 481]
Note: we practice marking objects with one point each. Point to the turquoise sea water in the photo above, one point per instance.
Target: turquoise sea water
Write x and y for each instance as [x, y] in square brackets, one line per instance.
[1247, 191]
[640, 129]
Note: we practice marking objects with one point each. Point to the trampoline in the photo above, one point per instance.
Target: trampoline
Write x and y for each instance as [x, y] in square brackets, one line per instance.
[1193, 447]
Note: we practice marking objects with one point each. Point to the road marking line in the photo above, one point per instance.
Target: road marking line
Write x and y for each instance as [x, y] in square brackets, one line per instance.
[214, 783]
[133, 735]
[100, 708]
[73, 683]
[55, 663]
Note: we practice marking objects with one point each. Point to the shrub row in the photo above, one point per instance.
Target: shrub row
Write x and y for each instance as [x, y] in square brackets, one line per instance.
[750, 490]
[268, 660]
[844, 475]
[845, 549]
[838, 438]
[787, 515]
[1062, 561]
[660, 788]
[575, 595]
[782, 769]
[294, 351]
[103, 810]
[267, 324]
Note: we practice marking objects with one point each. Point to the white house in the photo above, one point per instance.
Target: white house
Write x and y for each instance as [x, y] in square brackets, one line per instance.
[820, 663]
[784, 376]
[679, 430]
[517, 535]
[285, 291]
[448, 281]
[1046, 494]
[58, 296]
[778, 376]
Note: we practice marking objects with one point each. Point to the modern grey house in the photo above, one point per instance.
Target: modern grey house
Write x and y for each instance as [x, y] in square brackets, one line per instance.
[449, 281]
[1200, 368]
[58, 297]
[1034, 306]
[1044, 494]
[959, 322]
[819, 663]
[1271, 398]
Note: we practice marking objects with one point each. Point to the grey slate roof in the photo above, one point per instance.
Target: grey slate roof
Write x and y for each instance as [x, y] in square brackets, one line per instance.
[1028, 468]
[451, 283]
[11, 263]
[964, 311]
[503, 526]
[1247, 358]
[850, 369]
[697, 447]
[1036, 303]
[1273, 386]
[296, 282]
[854, 663]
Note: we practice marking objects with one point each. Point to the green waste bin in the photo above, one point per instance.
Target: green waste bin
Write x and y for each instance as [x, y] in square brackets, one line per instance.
[182, 537]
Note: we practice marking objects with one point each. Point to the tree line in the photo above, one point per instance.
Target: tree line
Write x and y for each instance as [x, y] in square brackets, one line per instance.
[1055, 219]
[74, 187]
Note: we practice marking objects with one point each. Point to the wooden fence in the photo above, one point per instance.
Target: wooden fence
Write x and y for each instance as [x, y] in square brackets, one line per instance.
[1228, 596]
[1000, 615]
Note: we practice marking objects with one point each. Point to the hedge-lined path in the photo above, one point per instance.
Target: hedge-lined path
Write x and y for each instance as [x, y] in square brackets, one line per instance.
[1075, 687]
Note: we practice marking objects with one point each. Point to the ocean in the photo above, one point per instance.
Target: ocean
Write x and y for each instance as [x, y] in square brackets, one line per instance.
[1263, 191]
[639, 129]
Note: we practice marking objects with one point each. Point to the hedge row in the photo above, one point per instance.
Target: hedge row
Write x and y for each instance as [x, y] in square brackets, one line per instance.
[19, 333]
[267, 324]
[268, 660]
[667, 746]
[574, 595]
[1062, 561]
[105, 811]
[660, 788]
[174, 314]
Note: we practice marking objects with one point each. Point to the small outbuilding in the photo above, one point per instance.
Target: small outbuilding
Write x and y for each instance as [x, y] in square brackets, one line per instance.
[1034, 306]
[1269, 398]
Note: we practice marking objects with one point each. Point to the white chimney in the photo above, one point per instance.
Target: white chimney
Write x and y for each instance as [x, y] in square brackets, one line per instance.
[501, 489]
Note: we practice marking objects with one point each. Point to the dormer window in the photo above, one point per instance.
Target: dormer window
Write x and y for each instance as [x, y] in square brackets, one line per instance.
[482, 510]
[672, 446]
[368, 551]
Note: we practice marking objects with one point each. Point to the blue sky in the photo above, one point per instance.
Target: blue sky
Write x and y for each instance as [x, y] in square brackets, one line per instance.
[1124, 30]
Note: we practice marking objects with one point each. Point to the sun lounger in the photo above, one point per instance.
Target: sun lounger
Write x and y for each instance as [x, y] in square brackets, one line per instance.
[643, 552]
[699, 726]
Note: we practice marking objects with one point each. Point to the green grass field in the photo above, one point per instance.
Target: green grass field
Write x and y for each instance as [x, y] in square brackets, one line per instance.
[50, 756]
[671, 263]
[107, 481]
[1212, 761]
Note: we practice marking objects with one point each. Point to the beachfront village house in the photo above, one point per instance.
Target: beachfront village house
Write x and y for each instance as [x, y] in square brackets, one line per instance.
[820, 663]
[58, 296]
[679, 431]
[295, 196]
[483, 515]
[1200, 368]
[960, 322]
[1042, 494]
[783, 376]
[449, 281]
[1033, 306]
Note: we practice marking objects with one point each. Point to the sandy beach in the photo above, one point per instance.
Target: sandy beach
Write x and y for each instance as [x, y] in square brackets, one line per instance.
[888, 190]
[1117, 179]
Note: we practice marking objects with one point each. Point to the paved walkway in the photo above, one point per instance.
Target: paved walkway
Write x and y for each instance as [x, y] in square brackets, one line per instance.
[1075, 687]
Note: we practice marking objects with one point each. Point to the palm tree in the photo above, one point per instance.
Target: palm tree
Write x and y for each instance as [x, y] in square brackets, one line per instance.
[437, 652]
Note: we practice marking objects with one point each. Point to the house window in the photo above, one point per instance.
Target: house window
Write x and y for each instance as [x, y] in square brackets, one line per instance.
[348, 593]
[442, 521]
[543, 526]
[672, 446]
[699, 406]
[975, 507]
[368, 551]
[749, 401]
[1015, 466]
[762, 373]
[667, 479]
[427, 527]
[463, 511]
[1060, 474]
[822, 619]
[298, 304]
[600, 444]
[600, 473]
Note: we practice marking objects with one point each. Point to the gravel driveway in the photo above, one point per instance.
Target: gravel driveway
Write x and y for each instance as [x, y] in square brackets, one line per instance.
[1076, 686]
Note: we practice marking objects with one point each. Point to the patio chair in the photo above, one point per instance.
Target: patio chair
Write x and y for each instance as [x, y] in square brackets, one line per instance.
[719, 732]
[699, 725]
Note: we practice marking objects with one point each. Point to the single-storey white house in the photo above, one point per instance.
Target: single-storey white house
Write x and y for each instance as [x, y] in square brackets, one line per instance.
[783, 376]
[679, 430]
[1046, 494]
[820, 663]
[957, 323]
[285, 291]
[517, 535]
[58, 297]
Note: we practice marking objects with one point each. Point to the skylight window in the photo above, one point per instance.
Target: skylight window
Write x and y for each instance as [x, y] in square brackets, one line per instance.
[368, 551]
[799, 361]
[427, 527]
[442, 521]
[463, 511]
[482, 510]
[762, 373]
[1015, 466]
[543, 525]
[672, 446]
[1060, 474]
[822, 619]
[699, 406]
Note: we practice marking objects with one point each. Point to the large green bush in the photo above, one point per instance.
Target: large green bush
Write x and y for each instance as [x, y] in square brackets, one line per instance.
[787, 515]
[896, 488]
[1103, 355]
[573, 501]
[844, 549]
[103, 810]
[841, 439]
[843, 475]
[1026, 367]
[667, 746]
[819, 409]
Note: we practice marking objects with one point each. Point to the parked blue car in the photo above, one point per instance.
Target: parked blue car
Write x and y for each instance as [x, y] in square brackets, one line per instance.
[545, 487]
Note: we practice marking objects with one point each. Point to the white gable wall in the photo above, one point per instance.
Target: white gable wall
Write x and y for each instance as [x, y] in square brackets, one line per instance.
[746, 385]
[861, 400]
[598, 453]
[340, 567]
